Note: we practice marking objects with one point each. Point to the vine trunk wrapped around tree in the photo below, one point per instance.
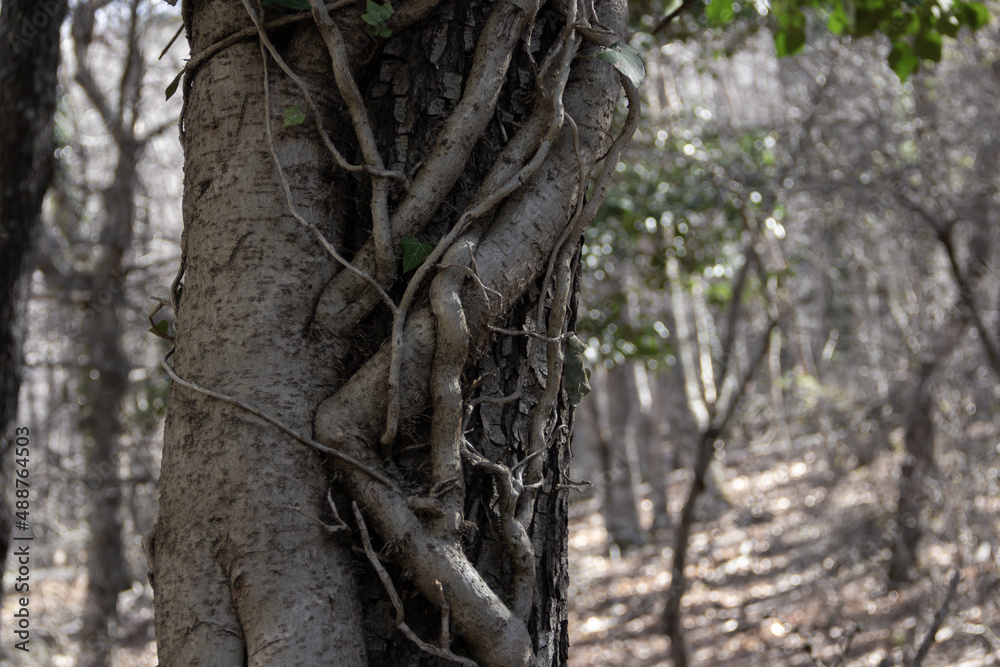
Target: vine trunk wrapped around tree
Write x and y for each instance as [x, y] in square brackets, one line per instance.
[368, 433]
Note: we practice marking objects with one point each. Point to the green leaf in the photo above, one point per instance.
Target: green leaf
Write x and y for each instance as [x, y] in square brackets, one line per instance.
[949, 25]
[161, 328]
[903, 60]
[291, 4]
[866, 22]
[576, 377]
[975, 15]
[294, 116]
[376, 14]
[928, 45]
[839, 21]
[626, 60]
[789, 41]
[720, 12]
[414, 252]
[172, 88]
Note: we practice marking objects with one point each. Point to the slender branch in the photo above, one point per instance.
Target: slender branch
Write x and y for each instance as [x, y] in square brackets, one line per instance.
[944, 232]
[968, 299]
[939, 617]
[668, 19]
[180, 29]
[332, 530]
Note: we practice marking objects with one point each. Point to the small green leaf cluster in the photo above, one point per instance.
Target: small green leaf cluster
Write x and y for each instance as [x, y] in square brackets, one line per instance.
[666, 203]
[915, 28]
[376, 18]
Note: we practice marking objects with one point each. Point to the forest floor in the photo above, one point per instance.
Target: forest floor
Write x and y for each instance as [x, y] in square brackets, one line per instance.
[792, 573]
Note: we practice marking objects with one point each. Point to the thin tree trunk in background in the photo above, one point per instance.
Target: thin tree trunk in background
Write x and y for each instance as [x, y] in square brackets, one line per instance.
[106, 372]
[615, 411]
[29, 57]
[652, 438]
[107, 385]
[919, 457]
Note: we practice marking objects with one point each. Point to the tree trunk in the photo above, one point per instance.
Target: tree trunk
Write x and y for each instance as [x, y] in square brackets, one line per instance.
[29, 57]
[918, 459]
[264, 550]
[106, 386]
[616, 413]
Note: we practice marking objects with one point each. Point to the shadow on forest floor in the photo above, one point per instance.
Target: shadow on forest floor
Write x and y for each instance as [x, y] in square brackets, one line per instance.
[796, 587]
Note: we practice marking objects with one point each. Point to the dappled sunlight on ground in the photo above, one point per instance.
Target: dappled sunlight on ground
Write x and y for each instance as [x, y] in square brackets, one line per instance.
[794, 574]
[57, 597]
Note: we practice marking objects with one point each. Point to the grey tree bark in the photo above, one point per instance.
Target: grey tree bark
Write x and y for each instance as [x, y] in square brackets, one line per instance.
[29, 57]
[323, 411]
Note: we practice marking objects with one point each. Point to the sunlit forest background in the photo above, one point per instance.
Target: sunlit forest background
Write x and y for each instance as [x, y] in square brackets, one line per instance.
[791, 299]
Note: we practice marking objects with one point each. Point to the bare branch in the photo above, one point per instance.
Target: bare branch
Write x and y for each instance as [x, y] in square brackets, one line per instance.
[939, 617]
[706, 452]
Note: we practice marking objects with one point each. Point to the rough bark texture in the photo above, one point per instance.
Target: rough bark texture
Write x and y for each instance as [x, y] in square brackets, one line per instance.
[29, 56]
[243, 568]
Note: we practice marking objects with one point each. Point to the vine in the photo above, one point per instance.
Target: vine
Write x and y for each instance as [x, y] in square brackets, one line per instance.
[457, 291]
